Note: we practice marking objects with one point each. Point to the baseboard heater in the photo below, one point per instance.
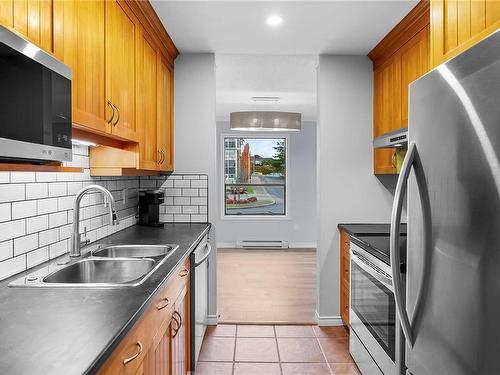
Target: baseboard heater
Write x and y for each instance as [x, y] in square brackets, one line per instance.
[256, 244]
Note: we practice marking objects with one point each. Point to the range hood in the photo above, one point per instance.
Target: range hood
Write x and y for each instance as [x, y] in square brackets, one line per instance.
[395, 139]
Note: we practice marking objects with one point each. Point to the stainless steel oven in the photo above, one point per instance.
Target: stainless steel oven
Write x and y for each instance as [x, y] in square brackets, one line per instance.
[374, 337]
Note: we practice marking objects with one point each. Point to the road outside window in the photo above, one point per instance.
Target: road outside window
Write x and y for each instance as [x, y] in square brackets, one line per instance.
[255, 176]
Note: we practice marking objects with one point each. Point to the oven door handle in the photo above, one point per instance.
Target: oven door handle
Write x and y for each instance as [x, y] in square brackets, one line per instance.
[397, 209]
[207, 254]
[358, 259]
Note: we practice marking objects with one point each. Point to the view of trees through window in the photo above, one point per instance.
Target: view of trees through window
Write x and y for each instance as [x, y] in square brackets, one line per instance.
[255, 176]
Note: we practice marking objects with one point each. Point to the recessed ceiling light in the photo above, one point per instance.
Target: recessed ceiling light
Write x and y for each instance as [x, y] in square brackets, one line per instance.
[274, 21]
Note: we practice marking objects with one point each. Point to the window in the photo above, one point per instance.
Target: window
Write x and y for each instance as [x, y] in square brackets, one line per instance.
[255, 176]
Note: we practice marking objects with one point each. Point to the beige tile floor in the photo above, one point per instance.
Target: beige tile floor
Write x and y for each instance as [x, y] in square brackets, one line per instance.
[275, 350]
[266, 286]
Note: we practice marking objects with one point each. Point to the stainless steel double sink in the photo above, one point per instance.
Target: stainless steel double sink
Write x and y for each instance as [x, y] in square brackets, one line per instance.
[105, 267]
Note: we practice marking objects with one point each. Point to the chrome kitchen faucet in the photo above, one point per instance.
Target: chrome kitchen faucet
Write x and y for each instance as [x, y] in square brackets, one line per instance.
[75, 250]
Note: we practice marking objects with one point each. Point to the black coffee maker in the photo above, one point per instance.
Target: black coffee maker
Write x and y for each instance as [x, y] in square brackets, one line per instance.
[149, 207]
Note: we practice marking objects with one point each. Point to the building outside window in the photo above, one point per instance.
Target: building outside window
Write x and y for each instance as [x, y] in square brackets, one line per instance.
[255, 172]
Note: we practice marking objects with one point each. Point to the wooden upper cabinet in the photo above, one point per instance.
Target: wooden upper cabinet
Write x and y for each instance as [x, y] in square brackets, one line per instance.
[165, 114]
[387, 110]
[457, 25]
[79, 43]
[30, 18]
[122, 39]
[149, 154]
[414, 64]
[400, 58]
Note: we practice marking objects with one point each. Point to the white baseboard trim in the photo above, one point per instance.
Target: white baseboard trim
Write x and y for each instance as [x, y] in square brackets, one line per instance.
[291, 245]
[328, 320]
[302, 245]
[212, 320]
[226, 245]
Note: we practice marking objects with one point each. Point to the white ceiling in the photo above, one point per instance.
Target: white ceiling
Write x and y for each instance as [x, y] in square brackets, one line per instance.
[254, 59]
[292, 78]
[309, 27]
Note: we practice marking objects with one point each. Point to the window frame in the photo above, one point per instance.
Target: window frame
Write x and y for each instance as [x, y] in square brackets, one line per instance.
[255, 135]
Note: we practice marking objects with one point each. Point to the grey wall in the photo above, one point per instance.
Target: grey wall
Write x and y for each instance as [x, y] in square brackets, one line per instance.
[300, 229]
[347, 189]
[195, 136]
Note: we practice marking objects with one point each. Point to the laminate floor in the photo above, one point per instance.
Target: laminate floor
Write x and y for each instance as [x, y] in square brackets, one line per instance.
[275, 350]
[266, 286]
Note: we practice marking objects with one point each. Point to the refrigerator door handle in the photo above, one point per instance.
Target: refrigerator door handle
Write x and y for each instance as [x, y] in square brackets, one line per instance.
[397, 209]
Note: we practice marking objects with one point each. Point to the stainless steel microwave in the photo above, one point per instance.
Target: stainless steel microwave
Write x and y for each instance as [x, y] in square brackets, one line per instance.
[35, 103]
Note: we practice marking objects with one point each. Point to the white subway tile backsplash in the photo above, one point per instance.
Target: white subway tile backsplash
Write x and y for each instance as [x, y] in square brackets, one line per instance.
[23, 209]
[66, 203]
[4, 177]
[5, 212]
[173, 192]
[22, 177]
[199, 201]
[24, 244]
[65, 231]
[12, 229]
[173, 209]
[186, 197]
[199, 183]
[46, 206]
[58, 248]
[12, 266]
[190, 210]
[48, 237]
[182, 201]
[37, 190]
[6, 250]
[190, 192]
[182, 183]
[58, 189]
[199, 218]
[182, 218]
[37, 223]
[46, 176]
[12, 192]
[58, 219]
[36, 257]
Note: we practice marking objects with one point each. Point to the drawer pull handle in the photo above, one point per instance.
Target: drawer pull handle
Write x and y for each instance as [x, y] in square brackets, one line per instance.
[160, 306]
[128, 360]
[184, 272]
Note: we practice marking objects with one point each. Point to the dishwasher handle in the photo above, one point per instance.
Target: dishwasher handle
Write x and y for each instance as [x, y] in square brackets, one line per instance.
[207, 253]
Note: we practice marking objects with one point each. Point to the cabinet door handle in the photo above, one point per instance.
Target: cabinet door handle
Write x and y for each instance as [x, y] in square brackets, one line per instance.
[162, 306]
[159, 157]
[162, 157]
[118, 112]
[139, 345]
[178, 325]
[184, 272]
[113, 114]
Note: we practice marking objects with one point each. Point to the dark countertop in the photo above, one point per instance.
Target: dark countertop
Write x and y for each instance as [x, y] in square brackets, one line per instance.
[368, 229]
[73, 331]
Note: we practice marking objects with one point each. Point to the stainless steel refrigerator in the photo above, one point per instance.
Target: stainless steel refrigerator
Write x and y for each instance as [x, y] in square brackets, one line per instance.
[450, 307]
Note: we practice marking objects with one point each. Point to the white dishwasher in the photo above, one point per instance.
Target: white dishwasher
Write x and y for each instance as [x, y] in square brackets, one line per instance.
[199, 296]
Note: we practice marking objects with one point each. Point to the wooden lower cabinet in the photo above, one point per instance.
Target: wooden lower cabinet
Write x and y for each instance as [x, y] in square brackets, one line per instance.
[345, 244]
[159, 343]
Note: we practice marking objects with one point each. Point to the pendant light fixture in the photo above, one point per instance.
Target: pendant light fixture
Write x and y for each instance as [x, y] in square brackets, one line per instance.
[265, 121]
